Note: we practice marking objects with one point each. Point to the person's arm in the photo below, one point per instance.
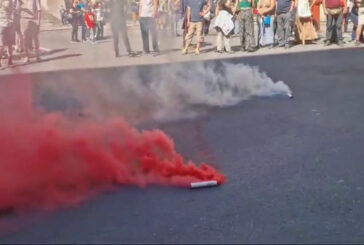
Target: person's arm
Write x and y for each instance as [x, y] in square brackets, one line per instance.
[155, 8]
[272, 7]
[345, 7]
[140, 8]
[293, 5]
[324, 7]
[38, 12]
[188, 16]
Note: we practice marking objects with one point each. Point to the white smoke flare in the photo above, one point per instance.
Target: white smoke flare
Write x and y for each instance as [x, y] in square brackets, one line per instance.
[171, 92]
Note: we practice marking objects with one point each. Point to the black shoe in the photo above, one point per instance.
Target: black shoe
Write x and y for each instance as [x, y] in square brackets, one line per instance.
[327, 43]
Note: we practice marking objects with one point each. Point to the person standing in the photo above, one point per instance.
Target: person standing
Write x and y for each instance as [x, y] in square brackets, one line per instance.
[305, 28]
[359, 28]
[224, 26]
[118, 26]
[334, 10]
[7, 34]
[19, 41]
[266, 12]
[75, 22]
[90, 24]
[147, 14]
[100, 20]
[284, 27]
[31, 32]
[246, 23]
[316, 18]
[194, 23]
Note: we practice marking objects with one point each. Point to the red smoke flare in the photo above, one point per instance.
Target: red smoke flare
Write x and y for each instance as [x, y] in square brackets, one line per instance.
[47, 160]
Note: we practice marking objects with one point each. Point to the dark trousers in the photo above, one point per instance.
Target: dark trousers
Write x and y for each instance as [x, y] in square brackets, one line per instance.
[147, 24]
[100, 30]
[334, 26]
[74, 31]
[283, 28]
[117, 29]
[354, 18]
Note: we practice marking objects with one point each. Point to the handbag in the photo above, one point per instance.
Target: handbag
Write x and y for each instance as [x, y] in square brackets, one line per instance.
[334, 11]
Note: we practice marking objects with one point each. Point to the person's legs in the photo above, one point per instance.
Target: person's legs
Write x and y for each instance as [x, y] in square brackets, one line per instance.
[145, 35]
[115, 38]
[249, 31]
[191, 31]
[199, 27]
[338, 26]
[329, 28]
[280, 29]
[219, 41]
[75, 32]
[242, 30]
[153, 31]
[227, 46]
[354, 19]
[287, 27]
[124, 36]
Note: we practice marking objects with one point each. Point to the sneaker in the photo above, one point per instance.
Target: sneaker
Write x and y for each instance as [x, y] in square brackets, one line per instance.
[281, 45]
[327, 43]
[230, 52]
[197, 52]
[184, 51]
[357, 43]
[26, 60]
[219, 51]
[155, 53]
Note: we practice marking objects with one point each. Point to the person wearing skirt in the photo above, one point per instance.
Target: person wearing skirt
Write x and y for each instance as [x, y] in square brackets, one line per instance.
[304, 24]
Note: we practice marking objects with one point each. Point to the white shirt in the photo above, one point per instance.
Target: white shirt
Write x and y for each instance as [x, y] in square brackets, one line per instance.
[147, 7]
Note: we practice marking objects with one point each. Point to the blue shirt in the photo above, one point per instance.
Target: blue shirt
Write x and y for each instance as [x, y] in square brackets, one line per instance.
[196, 7]
[283, 6]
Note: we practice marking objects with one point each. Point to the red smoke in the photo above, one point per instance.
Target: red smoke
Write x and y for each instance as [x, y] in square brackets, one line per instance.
[47, 160]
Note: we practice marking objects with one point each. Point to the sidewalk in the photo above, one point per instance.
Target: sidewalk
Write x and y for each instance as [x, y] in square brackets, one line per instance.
[60, 54]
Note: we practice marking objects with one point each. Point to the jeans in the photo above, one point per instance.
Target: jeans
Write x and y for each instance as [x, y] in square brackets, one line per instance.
[117, 29]
[147, 24]
[334, 25]
[354, 18]
[284, 24]
[99, 30]
[266, 32]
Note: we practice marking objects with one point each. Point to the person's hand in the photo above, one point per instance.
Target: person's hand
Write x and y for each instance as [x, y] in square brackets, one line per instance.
[345, 10]
[326, 12]
[188, 24]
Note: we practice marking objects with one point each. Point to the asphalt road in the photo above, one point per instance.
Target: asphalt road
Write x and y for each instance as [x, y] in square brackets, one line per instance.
[294, 168]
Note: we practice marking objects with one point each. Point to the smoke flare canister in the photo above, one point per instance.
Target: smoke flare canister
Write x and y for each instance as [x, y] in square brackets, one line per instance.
[290, 95]
[203, 184]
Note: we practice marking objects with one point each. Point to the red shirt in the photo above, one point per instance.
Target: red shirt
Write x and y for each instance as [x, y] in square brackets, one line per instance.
[90, 20]
[331, 4]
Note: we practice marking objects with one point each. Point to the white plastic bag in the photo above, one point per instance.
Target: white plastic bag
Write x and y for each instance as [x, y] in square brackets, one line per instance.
[303, 9]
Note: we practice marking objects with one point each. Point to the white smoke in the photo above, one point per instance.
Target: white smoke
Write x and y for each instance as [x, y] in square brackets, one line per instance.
[176, 89]
[171, 92]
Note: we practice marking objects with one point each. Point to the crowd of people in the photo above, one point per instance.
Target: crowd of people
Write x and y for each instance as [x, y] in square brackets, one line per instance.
[19, 28]
[259, 23]
[278, 23]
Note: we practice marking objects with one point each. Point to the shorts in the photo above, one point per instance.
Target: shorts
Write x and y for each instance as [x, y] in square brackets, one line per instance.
[195, 28]
[361, 16]
[7, 36]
